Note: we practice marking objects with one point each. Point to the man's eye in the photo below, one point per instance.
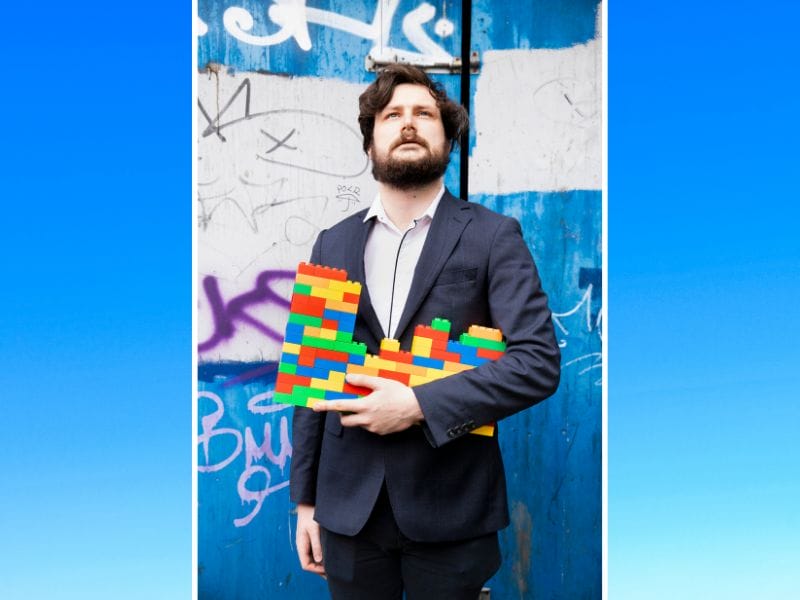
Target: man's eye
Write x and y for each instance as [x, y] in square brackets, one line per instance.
[392, 115]
[425, 113]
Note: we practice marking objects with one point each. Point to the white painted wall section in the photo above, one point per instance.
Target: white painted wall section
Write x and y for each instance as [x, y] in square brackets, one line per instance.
[537, 121]
[282, 165]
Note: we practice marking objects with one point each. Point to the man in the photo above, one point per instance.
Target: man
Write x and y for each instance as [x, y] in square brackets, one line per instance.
[393, 494]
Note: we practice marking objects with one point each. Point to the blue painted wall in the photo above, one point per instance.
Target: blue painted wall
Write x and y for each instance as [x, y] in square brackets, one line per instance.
[552, 452]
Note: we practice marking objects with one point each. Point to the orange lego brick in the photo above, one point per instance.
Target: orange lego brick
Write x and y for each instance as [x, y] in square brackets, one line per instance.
[487, 333]
[342, 306]
[456, 367]
[362, 370]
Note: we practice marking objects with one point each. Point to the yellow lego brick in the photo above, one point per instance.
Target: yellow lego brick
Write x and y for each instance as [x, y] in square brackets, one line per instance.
[486, 333]
[327, 334]
[289, 348]
[362, 370]
[421, 346]
[327, 293]
[390, 344]
[484, 430]
[434, 374]
[376, 362]
[313, 281]
[311, 331]
[342, 306]
[352, 287]
[336, 378]
[335, 284]
[326, 384]
[418, 380]
[312, 401]
[456, 367]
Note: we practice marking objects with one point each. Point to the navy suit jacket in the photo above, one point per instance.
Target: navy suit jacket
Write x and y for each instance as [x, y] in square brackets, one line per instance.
[443, 484]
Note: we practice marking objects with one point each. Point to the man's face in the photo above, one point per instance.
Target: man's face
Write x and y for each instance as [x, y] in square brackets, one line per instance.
[409, 148]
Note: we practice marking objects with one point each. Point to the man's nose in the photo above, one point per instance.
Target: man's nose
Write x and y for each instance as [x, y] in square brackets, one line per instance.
[408, 120]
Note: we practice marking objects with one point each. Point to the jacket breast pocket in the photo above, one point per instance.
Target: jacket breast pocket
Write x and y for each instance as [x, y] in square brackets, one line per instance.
[333, 424]
[452, 276]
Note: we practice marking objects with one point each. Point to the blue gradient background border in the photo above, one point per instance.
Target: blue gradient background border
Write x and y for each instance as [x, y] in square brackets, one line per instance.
[704, 279]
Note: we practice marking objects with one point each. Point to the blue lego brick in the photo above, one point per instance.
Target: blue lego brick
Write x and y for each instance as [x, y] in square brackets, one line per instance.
[330, 365]
[329, 395]
[294, 333]
[286, 357]
[356, 359]
[433, 363]
[311, 372]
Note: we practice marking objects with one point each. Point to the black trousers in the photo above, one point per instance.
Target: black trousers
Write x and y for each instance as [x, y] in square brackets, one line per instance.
[380, 563]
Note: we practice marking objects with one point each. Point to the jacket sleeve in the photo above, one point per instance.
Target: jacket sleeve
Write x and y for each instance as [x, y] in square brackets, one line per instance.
[526, 374]
[307, 431]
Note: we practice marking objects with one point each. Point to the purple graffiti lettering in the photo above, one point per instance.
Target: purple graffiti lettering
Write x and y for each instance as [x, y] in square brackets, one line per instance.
[253, 453]
[256, 496]
[209, 423]
[225, 315]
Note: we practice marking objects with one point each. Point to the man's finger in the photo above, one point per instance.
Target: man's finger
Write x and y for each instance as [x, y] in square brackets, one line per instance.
[351, 406]
[367, 381]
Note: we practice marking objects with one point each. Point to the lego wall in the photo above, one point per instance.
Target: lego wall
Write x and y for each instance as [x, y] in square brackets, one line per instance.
[279, 158]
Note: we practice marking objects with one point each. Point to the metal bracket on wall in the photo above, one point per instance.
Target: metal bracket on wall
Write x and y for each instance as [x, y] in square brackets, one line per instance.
[451, 66]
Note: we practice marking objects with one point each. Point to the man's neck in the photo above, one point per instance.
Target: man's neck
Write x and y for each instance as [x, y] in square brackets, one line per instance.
[403, 206]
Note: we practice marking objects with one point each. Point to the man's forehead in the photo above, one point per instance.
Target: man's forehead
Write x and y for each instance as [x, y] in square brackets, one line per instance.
[412, 93]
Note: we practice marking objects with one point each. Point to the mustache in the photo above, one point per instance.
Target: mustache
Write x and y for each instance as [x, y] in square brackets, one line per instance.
[409, 137]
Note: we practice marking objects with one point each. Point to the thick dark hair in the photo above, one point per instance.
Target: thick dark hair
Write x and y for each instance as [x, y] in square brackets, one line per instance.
[377, 96]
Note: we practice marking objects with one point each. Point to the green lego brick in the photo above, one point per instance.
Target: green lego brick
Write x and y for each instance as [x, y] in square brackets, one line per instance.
[302, 288]
[320, 343]
[343, 336]
[287, 368]
[352, 347]
[281, 398]
[300, 392]
[477, 342]
[299, 319]
[440, 325]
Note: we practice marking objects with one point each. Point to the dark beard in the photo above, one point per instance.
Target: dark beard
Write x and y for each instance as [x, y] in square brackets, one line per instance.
[410, 174]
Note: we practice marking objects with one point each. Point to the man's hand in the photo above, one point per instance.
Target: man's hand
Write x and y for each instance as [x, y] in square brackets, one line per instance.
[309, 548]
[391, 407]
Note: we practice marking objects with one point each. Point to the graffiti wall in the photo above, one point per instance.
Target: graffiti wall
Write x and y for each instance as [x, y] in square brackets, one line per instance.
[279, 158]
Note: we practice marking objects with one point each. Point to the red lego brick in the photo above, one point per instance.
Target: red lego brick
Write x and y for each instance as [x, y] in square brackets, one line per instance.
[403, 357]
[350, 298]
[286, 381]
[356, 389]
[490, 354]
[401, 377]
[444, 355]
[342, 357]
[307, 356]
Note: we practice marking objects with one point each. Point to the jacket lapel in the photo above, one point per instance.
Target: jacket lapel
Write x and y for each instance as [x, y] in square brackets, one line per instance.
[356, 267]
[448, 224]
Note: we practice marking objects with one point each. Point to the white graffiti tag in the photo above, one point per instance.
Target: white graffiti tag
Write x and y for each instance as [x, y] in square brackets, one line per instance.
[293, 16]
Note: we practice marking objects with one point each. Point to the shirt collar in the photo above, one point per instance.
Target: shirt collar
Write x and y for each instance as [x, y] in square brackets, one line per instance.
[377, 210]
